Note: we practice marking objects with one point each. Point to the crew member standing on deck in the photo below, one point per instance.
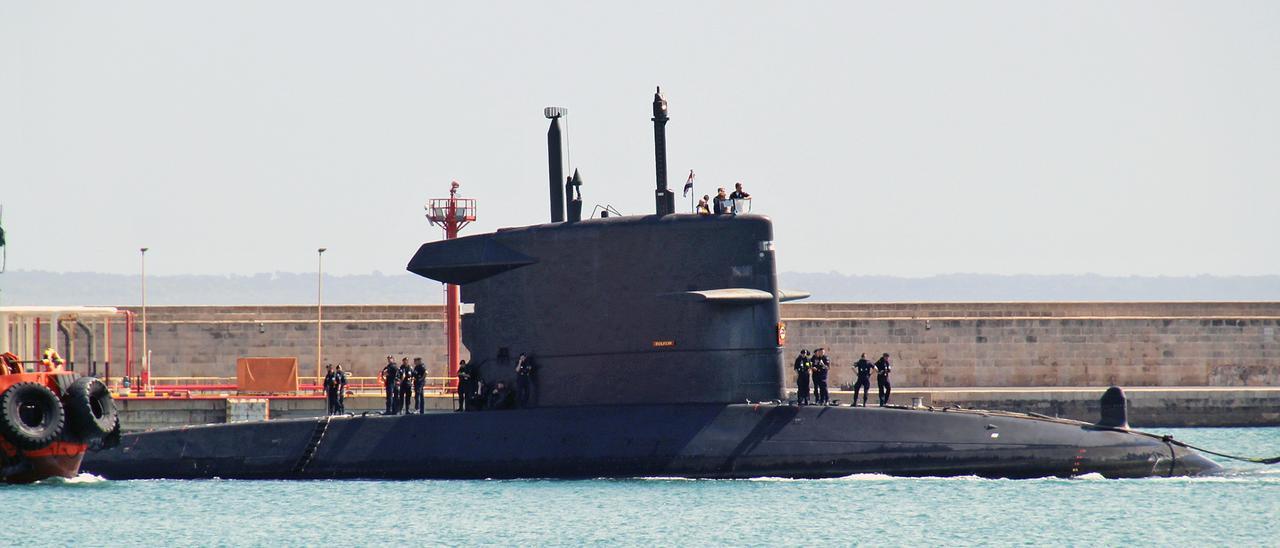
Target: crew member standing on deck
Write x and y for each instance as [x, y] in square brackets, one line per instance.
[863, 370]
[882, 378]
[802, 378]
[419, 381]
[388, 376]
[340, 377]
[406, 386]
[465, 386]
[821, 366]
[524, 380]
[330, 391]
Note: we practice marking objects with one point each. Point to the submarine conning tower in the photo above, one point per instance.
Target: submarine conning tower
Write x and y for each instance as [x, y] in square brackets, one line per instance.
[664, 308]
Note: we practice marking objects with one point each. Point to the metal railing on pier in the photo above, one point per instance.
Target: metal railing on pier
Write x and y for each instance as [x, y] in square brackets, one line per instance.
[186, 387]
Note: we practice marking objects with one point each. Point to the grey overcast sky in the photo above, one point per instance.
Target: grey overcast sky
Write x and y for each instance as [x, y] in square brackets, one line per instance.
[897, 138]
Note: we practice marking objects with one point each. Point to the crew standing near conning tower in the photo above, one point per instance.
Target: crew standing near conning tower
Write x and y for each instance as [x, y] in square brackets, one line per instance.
[419, 382]
[883, 367]
[821, 366]
[340, 377]
[406, 386]
[466, 384]
[524, 381]
[802, 377]
[330, 391]
[863, 369]
[388, 375]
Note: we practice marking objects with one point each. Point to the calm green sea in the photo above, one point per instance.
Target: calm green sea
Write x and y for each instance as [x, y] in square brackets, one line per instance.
[1239, 508]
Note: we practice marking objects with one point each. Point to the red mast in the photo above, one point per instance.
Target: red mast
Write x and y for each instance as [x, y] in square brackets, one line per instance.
[452, 214]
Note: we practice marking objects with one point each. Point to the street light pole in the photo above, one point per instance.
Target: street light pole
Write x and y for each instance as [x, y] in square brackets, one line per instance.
[146, 354]
[319, 309]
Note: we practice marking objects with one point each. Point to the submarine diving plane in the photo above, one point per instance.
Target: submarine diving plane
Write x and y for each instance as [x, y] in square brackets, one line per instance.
[659, 352]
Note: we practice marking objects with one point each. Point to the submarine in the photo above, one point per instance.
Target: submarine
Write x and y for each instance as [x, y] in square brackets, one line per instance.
[660, 353]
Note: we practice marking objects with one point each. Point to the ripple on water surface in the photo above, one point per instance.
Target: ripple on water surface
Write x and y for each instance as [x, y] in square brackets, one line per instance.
[1239, 507]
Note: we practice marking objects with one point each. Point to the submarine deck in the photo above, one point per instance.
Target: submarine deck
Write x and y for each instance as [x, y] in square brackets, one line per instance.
[1148, 406]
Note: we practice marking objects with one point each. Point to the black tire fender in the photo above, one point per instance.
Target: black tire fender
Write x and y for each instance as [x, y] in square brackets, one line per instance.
[91, 413]
[31, 416]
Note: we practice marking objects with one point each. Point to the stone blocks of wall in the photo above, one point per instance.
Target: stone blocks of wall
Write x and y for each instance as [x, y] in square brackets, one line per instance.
[933, 344]
[205, 341]
[1005, 346]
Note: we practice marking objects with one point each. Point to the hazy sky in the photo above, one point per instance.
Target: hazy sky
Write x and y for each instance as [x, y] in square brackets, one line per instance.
[899, 138]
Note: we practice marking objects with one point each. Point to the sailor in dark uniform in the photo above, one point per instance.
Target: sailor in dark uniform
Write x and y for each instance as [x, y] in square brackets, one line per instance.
[863, 369]
[340, 378]
[330, 391]
[882, 378]
[419, 382]
[500, 397]
[388, 374]
[802, 377]
[406, 386]
[821, 366]
[524, 380]
[465, 386]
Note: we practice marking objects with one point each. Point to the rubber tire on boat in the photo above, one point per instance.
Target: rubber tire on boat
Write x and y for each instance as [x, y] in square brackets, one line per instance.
[16, 431]
[91, 413]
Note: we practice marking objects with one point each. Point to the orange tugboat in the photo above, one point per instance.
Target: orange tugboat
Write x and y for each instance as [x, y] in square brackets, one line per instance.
[49, 415]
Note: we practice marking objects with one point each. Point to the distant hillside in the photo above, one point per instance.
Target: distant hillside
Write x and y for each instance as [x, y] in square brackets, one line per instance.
[52, 288]
[991, 287]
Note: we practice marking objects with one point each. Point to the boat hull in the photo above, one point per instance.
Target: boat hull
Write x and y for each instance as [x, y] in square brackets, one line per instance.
[697, 441]
[61, 459]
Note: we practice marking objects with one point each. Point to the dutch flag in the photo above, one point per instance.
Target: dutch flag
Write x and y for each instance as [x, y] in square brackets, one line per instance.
[688, 185]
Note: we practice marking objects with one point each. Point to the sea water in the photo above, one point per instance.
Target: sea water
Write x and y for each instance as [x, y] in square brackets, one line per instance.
[1238, 508]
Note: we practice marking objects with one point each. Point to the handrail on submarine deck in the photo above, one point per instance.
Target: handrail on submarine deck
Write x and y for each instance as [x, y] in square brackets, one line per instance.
[183, 387]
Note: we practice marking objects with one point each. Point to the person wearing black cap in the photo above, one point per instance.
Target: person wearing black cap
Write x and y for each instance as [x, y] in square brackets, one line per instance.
[419, 381]
[863, 369]
[388, 375]
[340, 379]
[406, 387]
[821, 366]
[524, 380]
[802, 377]
[466, 386]
[330, 391]
[883, 367]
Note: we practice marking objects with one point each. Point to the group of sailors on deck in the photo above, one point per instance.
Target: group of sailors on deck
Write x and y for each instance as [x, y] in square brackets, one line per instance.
[475, 393]
[404, 386]
[812, 370]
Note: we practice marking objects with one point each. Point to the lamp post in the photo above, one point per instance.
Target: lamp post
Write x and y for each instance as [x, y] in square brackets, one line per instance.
[319, 310]
[146, 354]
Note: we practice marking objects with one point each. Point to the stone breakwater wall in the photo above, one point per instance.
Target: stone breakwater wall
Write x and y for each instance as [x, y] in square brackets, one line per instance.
[1048, 344]
[934, 345]
[204, 341]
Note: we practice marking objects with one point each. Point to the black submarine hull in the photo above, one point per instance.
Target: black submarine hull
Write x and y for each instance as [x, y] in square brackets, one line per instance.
[692, 441]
